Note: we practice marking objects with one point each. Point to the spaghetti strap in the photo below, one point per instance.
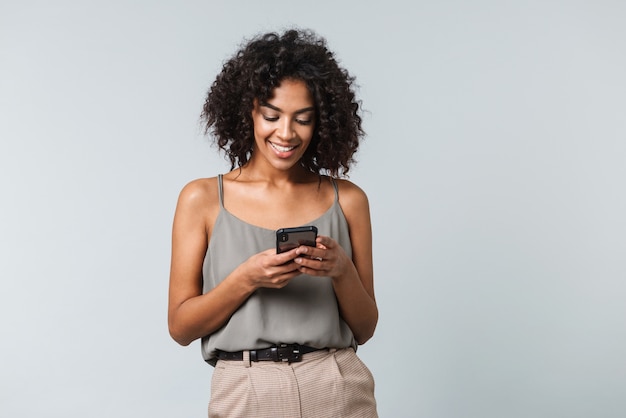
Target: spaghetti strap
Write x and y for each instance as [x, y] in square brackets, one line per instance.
[336, 187]
[220, 187]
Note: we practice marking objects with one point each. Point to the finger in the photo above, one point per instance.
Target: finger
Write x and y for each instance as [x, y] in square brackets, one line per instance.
[286, 268]
[313, 271]
[285, 257]
[315, 263]
[304, 249]
[325, 242]
[312, 252]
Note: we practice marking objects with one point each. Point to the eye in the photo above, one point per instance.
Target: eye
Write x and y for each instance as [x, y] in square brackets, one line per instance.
[270, 118]
[303, 121]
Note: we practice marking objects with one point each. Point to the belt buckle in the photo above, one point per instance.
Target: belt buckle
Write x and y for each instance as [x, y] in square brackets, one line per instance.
[289, 353]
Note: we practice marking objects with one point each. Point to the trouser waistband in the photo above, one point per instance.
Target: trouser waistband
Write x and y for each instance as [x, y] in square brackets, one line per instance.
[282, 352]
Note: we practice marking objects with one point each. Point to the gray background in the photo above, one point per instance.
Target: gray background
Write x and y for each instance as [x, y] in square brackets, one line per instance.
[495, 166]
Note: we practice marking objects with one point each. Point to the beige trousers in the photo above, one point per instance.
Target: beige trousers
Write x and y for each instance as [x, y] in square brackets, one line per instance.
[329, 383]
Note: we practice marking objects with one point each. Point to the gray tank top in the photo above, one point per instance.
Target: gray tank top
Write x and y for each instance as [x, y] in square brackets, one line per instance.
[303, 312]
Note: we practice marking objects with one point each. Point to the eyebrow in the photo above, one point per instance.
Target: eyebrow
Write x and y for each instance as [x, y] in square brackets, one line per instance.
[278, 109]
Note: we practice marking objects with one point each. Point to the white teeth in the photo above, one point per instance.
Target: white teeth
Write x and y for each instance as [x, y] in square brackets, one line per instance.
[280, 148]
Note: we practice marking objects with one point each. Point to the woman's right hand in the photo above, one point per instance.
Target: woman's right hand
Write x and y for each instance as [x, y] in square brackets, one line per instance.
[270, 270]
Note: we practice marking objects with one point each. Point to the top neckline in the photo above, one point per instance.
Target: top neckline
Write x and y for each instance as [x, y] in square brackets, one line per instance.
[262, 228]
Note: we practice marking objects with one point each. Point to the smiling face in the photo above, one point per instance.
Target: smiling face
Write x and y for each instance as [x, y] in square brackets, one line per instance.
[283, 125]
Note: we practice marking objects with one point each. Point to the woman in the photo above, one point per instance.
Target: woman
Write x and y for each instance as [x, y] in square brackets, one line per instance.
[280, 329]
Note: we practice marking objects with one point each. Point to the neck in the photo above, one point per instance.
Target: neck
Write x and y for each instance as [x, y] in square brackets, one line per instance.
[254, 171]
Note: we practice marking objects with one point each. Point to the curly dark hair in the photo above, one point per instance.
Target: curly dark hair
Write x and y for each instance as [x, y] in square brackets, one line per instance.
[257, 69]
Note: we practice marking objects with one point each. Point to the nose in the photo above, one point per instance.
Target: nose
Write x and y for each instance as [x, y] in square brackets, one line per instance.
[285, 130]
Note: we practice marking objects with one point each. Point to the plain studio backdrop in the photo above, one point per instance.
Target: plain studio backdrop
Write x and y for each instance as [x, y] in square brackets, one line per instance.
[495, 163]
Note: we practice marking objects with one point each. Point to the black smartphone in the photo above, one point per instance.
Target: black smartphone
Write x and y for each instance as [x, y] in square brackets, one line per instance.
[290, 238]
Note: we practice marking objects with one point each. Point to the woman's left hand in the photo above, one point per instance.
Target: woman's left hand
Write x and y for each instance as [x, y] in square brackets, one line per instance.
[328, 258]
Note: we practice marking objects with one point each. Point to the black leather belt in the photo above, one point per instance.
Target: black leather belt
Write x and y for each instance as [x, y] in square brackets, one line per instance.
[283, 352]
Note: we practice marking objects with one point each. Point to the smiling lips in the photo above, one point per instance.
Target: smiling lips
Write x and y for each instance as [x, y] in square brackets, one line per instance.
[281, 148]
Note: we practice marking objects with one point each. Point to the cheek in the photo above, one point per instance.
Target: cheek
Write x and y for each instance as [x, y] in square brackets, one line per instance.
[306, 133]
[261, 130]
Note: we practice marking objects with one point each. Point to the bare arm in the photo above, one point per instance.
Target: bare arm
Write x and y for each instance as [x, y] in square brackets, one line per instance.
[353, 279]
[191, 314]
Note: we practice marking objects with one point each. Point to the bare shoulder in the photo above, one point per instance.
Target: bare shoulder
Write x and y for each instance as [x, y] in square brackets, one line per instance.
[199, 199]
[199, 191]
[351, 195]
[353, 200]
